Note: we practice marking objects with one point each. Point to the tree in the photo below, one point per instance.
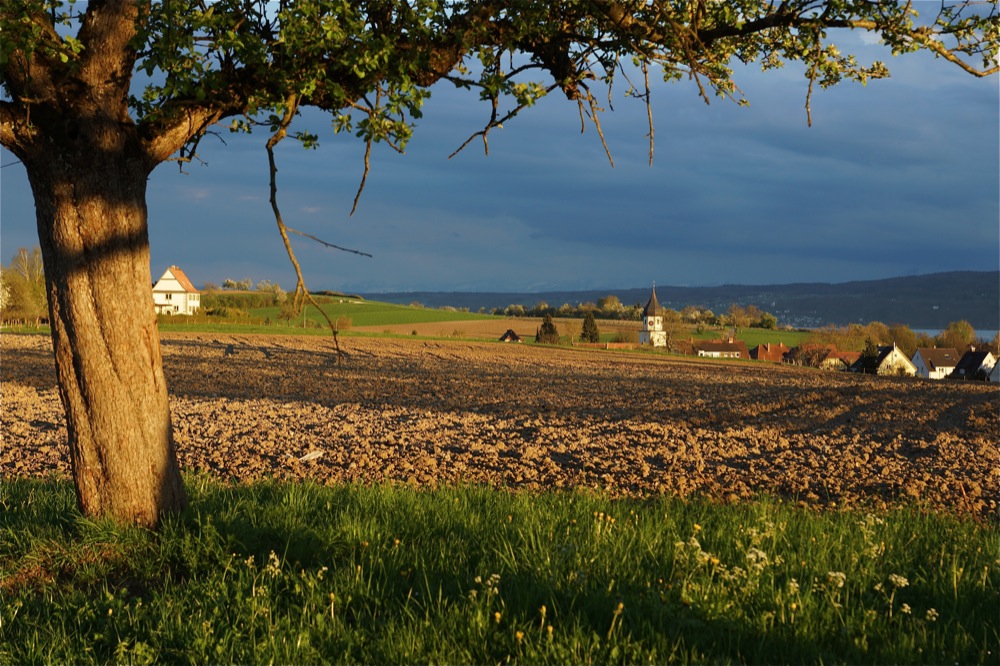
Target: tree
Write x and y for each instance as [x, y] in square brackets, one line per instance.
[738, 317]
[23, 284]
[869, 357]
[958, 335]
[766, 320]
[89, 131]
[904, 338]
[547, 332]
[590, 331]
[610, 305]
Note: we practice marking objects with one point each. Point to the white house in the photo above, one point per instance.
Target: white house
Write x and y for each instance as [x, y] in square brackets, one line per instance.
[974, 365]
[934, 362]
[173, 293]
[890, 361]
[652, 332]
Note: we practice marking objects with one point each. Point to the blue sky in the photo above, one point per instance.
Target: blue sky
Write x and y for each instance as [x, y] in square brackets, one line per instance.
[900, 177]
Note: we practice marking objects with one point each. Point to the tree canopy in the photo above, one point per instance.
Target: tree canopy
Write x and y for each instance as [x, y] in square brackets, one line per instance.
[370, 63]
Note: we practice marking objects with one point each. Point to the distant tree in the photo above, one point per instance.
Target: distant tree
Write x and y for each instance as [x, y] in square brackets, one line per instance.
[925, 340]
[24, 288]
[878, 332]
[994, 346]
[515, 310]
[210, 286]
[547, 332]
[571, 330]
[611, 305]
[904, 338]
[229, 283]
[767, 321]
[869, 357]
[691, 314]
[540, 309]
[958, 334]
[673, 327]
[590, 331]
[738, 317]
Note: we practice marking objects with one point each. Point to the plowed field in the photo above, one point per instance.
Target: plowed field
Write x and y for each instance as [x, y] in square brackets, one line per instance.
[525, 416]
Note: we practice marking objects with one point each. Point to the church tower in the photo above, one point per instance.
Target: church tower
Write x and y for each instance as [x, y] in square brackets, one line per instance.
[652, 332]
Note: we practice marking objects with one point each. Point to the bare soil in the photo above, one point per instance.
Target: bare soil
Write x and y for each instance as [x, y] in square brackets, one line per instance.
[525, 416]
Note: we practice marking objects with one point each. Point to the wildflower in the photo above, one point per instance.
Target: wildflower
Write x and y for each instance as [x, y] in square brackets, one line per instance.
[519, 636]
[898, 581]
[905, 609]
[496, 617]
[837, 578]
[793, 586]
[697, 527]
[932, 615]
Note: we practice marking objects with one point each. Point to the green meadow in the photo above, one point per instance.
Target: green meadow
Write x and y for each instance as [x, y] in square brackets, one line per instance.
[292, 573]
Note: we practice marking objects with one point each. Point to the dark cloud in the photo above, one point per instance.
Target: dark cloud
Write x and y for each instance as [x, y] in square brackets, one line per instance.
[899, 178]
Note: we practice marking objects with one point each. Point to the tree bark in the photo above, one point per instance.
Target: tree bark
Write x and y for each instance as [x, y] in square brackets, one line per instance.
[92, 227]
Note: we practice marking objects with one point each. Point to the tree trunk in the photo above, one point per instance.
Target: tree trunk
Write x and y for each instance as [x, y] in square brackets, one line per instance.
[91, 214]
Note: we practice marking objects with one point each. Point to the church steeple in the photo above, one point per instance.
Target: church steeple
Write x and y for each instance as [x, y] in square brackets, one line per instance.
[652, 332]
[652, 308]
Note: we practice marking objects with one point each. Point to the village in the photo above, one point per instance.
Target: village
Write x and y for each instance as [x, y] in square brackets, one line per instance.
[926, 362]
[174, 293]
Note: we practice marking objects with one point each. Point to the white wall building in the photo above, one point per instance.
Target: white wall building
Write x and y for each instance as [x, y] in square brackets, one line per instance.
[173, 293]
[652, 332]
[934, 362]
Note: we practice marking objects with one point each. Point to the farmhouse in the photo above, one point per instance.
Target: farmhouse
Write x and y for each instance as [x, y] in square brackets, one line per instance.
[510, 336]
[974, 365]
[722, 348]
[890, 360]
[173, 293]
[652, 332]
[935, 363]
[769, 352]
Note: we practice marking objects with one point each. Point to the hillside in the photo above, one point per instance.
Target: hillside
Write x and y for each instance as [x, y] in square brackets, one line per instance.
[920, 301]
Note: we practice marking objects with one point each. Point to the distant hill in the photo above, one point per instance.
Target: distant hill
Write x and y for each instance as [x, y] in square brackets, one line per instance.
[920, 301]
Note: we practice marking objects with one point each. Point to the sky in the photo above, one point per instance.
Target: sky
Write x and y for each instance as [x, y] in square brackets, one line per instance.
[901, 177]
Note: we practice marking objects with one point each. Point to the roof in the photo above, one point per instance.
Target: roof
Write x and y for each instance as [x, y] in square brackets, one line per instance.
[769, 352]
[936, 358]
[971, 362]
[510, 336]
[884, 352]
[653, 307]
[848, 357]
[182, 279]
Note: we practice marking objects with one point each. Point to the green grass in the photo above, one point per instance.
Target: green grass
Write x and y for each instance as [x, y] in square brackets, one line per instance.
[352, 313]
[758, 336]
[295, 573]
